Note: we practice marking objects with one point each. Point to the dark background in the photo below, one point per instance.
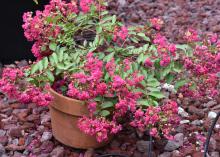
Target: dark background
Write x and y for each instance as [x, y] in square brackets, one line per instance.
[14, 45]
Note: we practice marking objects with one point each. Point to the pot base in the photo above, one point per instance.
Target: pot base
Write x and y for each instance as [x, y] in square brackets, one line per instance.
[65, 130]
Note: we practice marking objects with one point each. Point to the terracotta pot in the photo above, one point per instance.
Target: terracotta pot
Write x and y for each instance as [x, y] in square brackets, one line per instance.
[64, 113]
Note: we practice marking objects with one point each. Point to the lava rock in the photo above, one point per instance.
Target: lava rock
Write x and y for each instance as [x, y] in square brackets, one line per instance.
[47, 147]
[46, 136]
[13, 147]
[45, 118]
[196, 111]
[197, 122]
[185, 121]
[2, 150]
[182, 112]
[57, 152]
[214, 154]
[3, 140]
[212, 115]
[89, 153]
[15, 132]
[143, 146]
[212, 144]
[176, 143]
[165, 154]
[2, 132]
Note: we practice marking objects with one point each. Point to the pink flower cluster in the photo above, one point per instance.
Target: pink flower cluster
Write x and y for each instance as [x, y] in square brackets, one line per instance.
[127, 98]
[85, 5]
[158, 120]
[204, 65]
[121, 33]
[39, 27]
[191, 35]
[156, 23]
[12, 83]
[89, 83]
[98, 127]
[166, 51]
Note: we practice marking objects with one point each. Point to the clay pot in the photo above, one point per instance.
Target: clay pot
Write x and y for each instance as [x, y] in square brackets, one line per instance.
[64, 113]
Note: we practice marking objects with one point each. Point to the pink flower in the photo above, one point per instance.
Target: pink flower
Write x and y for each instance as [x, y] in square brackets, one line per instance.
[85, 5]
[92, 107]
[148, 62]
[101, 88]
[191, 35]
[99, 127]
[122, 33]
[154, 132]
[157, 120]
[217, 59]
[127, 64]
[213, 38]
[36, 49]
[110, 67]
[156, 23]
[160, 40]
[172, 49]
[165, 61]
[118, 82]
[139, 113]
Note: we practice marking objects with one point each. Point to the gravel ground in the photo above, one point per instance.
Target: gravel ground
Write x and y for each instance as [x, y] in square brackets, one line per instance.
[178, 15]
[25, 130]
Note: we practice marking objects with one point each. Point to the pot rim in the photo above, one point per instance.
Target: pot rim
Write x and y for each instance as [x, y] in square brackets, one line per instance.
[65, 97]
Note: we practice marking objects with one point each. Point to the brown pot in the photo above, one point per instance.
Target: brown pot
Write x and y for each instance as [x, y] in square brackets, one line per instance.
[64, 113]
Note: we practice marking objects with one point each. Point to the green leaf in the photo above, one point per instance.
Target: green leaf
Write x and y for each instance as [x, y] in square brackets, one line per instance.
[109, 57]
[169, 78]
[50, 76]
[113, 19]
[165, 71]
[107, 104]
[177, 67]
[144, 36]
[34, 68]
[152, 82]
[193, 86]
[98, 29]
[156, 94]
[135, 66]
[61, 66]
[40, 65]
[53, 46]
[155, 103]
[104, 13]
[55, 58]
[153, 89]
[141, 58]
[98, 98]
[104, 113]
[179, 84]
[143, 102]
[43, 48]
[64, 88]
[61, 54]
[134, 39]
[29, 79]
[45, 62]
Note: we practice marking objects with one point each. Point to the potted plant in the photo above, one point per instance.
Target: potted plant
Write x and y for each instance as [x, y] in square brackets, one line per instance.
[95, 73]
